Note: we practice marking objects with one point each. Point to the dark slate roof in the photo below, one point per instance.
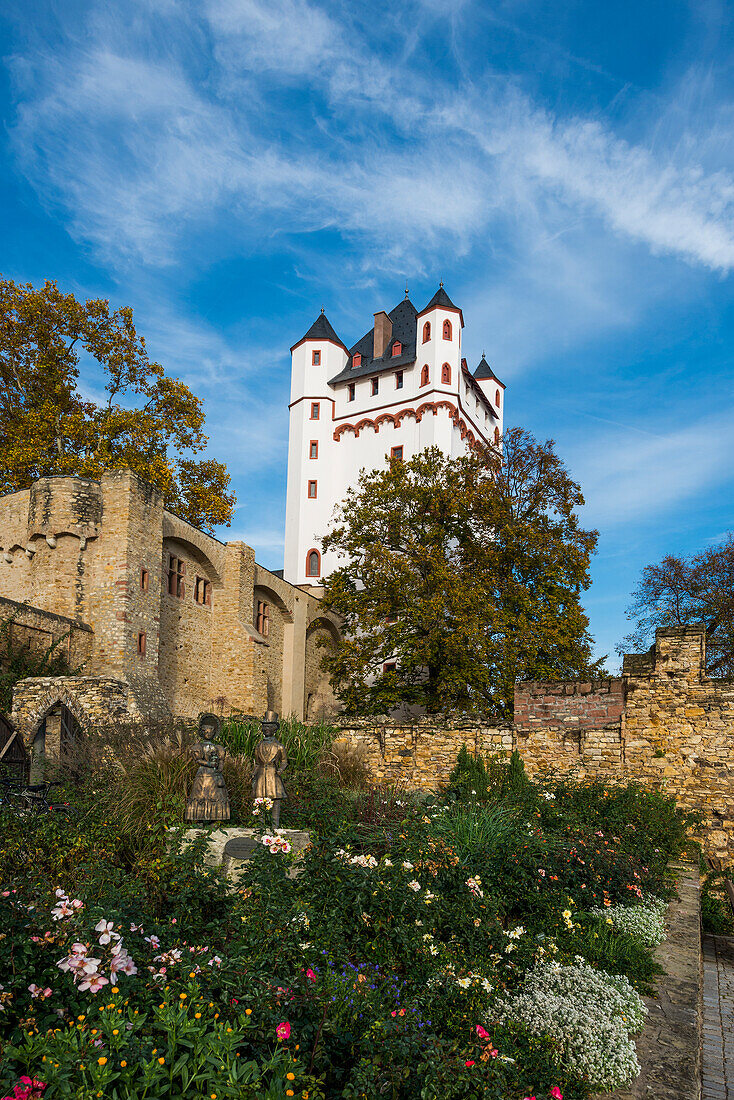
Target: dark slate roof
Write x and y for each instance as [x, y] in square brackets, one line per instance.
[440, 298]
[322, 329]
[484, 371]
[404, 329]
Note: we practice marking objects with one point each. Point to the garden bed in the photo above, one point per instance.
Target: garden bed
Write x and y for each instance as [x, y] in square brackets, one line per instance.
[493, 942]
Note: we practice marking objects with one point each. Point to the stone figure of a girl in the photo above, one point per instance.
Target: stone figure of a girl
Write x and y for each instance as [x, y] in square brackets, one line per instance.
[208, 799]
[271, 760]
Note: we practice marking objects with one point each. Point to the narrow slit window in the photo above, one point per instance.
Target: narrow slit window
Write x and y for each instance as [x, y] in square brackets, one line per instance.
[446, 374]
[424, 375]
[203, 592]
[351, 391]
[375, 386]
[313, 450]
[398, 380]
[144, 580]
[142, 640]
[315, 410]
[312, 490]
[316, 358]
[263, 618]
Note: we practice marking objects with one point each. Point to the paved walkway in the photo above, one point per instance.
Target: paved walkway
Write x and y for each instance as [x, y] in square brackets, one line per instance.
[718, 1018]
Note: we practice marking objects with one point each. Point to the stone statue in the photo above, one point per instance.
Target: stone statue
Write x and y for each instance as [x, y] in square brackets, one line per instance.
[271, 760]
[208, 800]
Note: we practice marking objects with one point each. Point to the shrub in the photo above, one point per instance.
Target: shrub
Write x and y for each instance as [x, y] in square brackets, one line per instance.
[592, 1014]
[716, 915]
[644, 922]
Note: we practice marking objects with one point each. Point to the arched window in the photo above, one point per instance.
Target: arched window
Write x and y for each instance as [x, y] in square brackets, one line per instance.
[497, 398]
[313, 564]
[446, 374]
[496, 435]
[447, 329]
[424, 375]
[426, 332]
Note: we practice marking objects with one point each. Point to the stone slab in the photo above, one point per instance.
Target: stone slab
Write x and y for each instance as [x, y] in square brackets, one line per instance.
[231, 847]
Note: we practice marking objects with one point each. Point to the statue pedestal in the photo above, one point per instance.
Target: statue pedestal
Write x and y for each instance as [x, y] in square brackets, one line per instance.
[231, 848]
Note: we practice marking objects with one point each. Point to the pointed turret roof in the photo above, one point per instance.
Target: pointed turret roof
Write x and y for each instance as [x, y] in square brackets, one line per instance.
[484, 371]
[322, 329]
[441, 300]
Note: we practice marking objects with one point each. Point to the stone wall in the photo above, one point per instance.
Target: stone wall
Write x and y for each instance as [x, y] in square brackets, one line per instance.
[38, 630]
[663, 723]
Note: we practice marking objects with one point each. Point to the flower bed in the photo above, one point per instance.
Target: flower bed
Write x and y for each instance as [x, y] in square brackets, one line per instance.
[461, 948]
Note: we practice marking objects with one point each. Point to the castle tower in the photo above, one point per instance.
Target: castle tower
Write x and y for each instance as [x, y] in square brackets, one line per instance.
[402, 387]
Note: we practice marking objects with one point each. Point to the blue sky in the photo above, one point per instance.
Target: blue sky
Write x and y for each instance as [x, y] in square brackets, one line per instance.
[227, 167]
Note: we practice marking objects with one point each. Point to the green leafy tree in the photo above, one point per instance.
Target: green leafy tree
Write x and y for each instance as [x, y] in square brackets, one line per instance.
[459, 577]
[149, 423]
[686, 591]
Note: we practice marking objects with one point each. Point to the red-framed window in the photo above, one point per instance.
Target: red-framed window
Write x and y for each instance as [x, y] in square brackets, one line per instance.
[397, 348]
[497, 398]
[315, 410]
[313, 563]
[390, 666]
[316, 358]
[144, 580]
[262, 618]
[426, 332]
[313, 487]
[375, 386]
[396, 452]
[398, 380]
[313, 449]
[351, 391]
[203, 592]
[176, 573]
[142, 641]
[447, 329]
[496, 435]
[446, 374]
[357, 360]
[424, 375]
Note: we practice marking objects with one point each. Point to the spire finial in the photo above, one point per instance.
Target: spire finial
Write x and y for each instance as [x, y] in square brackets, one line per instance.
[406, 289]
[322, 309]
[484, 355]
[441, 284]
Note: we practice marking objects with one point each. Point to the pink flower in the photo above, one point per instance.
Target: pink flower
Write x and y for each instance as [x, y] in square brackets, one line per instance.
[481, 1032]
[556, 1093]
[470, 1063]
[283, 1031]
[94, 983]
[105, 927]
[310, 975]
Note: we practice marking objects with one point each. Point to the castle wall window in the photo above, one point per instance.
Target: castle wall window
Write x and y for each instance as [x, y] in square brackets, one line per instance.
[203, 592]
[144, 580]
[496, 435]
[357, 360]
[390, 666]
[497, 398]
[313, 449]
[397, 348]
[351, 391]
[398, 380]
[176, 574]
[426, 332]
[375, 386]
[262, 618]
[312, 490]
[424, 375]
[396, 452]
[446, 374]
[141, 643]
[447, 330]
[316, 358]
[313, 564]
[315, 410]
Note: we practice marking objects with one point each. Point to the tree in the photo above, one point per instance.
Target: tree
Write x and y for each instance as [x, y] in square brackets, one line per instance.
[149, 423]
[459, 577]
[682, 591]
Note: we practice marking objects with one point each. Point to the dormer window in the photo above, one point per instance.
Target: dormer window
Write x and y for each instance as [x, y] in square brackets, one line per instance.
[447, 329]
[316, 358]
[426, 332]
[357, 360]
[397, 348]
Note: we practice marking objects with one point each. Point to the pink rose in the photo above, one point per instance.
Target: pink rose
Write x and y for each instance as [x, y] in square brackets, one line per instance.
[556, 1093]
[470, 1063]
[310, 975]
[481, 1032]
[283, 1031]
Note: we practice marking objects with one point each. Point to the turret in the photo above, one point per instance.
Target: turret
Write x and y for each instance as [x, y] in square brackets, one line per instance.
[438, 342]
[493, 390]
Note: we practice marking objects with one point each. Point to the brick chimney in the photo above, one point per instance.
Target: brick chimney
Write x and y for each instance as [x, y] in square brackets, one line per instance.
[383, 332]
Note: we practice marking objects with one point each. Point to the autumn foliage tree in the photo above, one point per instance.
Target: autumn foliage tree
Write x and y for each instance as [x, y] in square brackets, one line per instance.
[459, 577]
[148, 422]
[686, 591]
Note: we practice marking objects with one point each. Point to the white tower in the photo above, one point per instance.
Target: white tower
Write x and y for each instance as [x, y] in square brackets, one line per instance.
[401, 388]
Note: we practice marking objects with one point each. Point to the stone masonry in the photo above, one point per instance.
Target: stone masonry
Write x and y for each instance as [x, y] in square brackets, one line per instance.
[90, 562]
[662, 723]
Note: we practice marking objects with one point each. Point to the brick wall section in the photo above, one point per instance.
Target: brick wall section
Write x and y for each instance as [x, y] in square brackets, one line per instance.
[573, 705]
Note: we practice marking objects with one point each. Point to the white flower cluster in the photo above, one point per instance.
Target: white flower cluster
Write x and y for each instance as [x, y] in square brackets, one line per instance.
[262, 805]
[645, 922]
[276, 844]
[590, 1012]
